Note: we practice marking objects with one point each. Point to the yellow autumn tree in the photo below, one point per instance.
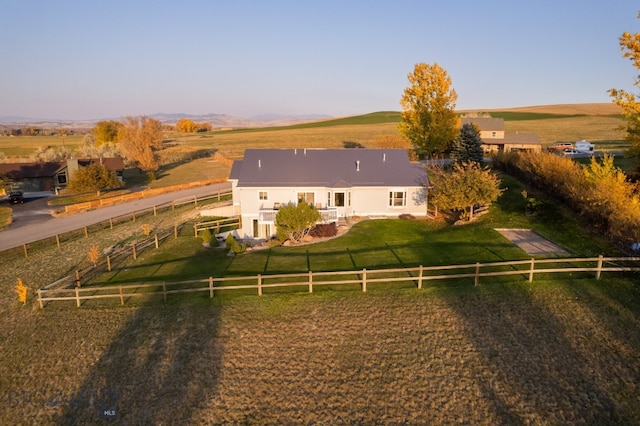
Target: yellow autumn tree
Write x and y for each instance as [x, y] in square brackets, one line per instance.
[428, 114]
[630, 46]
[186, 125]
[139, 138]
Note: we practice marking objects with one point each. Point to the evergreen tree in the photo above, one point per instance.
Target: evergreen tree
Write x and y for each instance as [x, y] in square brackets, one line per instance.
[467, 146]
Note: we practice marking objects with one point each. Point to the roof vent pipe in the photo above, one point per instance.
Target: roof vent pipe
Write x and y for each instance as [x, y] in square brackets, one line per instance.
[259, 164]
[384, 157]
[357, 165]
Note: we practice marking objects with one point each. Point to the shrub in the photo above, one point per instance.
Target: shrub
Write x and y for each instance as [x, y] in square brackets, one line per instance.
[324, 230]
[407, 216]
[233, 246]
[206, 236]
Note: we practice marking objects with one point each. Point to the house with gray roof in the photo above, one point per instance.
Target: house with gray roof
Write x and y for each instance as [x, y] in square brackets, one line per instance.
[340, 183]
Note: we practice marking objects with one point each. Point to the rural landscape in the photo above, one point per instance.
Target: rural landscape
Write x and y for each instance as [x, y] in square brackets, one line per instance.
[560, 348]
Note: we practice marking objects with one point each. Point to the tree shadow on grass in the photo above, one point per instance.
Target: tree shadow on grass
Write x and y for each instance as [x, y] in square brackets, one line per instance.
[535, 368]
[162, 367]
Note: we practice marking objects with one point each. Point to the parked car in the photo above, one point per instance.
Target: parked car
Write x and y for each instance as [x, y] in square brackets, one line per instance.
[16, 197]
[560, 146]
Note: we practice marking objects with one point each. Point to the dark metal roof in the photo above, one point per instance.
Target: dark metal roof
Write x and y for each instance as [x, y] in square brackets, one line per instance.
[336, 168]
[29, 170]
[485, 123]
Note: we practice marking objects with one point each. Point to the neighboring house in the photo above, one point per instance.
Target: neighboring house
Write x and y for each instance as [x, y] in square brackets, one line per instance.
[48, 176]
[338, 182]
[494, 138]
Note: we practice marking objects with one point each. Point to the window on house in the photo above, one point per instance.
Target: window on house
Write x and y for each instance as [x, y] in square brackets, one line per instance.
[263, 195]
[338, 199]
[306, 196]
[397, 198]
[494, 134]
[62, 178]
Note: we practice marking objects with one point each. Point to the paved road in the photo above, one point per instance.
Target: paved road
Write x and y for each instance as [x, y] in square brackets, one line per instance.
[33, 222]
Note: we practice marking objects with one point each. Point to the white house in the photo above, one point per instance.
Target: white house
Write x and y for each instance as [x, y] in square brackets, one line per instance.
[338, 182]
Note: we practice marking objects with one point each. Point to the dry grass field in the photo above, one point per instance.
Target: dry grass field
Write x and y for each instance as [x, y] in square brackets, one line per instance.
[548, 353]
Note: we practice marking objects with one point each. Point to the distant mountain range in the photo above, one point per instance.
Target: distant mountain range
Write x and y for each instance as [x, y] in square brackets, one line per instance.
[216, 120]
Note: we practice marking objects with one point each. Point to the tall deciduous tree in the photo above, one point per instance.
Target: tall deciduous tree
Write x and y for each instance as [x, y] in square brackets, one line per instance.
[428, 113]
[464, 187]
[467, 146]
[139, 137]
[106, 132]
[630, 45]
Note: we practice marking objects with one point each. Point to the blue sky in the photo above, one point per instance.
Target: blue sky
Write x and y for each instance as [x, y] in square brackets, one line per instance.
[102, 59]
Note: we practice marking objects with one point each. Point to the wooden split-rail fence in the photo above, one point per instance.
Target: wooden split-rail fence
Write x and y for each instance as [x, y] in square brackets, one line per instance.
[417, 276]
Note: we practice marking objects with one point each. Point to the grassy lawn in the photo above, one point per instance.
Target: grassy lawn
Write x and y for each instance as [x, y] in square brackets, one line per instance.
[375, 244]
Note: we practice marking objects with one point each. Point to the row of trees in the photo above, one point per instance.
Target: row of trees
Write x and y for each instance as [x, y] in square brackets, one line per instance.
[599, 191]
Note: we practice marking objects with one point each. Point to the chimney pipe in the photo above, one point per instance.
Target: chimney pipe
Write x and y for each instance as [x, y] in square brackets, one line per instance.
[384, 157]
[259, 164]
[357, 165]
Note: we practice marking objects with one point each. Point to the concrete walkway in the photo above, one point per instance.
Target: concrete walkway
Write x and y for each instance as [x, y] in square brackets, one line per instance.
[532, 242]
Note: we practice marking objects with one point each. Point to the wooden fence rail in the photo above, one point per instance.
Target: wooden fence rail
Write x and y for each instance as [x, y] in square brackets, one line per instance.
[418, 276]
[82, 276]
[83, 232]
[231, 222]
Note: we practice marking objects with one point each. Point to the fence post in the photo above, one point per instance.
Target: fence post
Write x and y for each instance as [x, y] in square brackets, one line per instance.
[533, 263]
[40, 299]
[310, 281]
[134, 216]
[364, 280]
[110, 223]
[477, 279]
[175, 232]
[195, 230]
[133, 250]
[58, 240]
[164, 290]
[211, 287]
[155, 213]
[109, 263]
[420, 272]
[86, 232]
[77, 297]
[599, 267]
[157, 243]
[259, 285]
[218, 195]
[26, 254]
[77, 278]
[195, 200]
[121, 296]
